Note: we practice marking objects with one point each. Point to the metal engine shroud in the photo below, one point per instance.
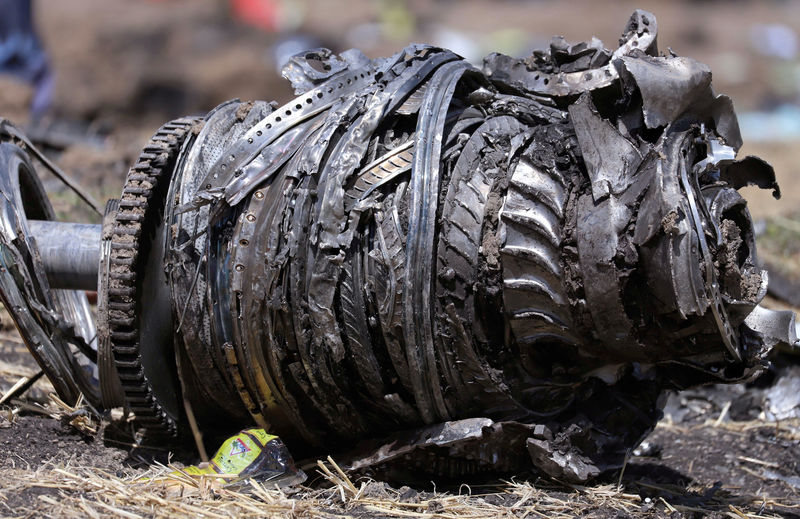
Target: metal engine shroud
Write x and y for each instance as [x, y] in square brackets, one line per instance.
[468, 269]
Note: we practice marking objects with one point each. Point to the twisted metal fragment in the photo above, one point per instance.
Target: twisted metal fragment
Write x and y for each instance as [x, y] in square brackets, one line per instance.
[471, 270]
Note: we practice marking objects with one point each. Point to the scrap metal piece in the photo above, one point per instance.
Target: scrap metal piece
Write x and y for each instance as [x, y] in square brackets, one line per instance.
[751, 171]
[468, 271]
[674, 87]
[608, 172]
[379, 172]
[235, 174]
[729, 338]
[533, 74]
[775, 326]
[718, 155]
[669, 85]
[315, 66]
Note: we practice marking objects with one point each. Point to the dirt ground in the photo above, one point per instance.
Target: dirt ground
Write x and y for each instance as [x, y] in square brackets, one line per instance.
[123, 68]
[702, 467]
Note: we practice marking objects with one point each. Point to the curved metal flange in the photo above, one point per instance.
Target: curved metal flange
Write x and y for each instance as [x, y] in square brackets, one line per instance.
[418, 329]
[111, 392]
[729, 337]
[56, 325]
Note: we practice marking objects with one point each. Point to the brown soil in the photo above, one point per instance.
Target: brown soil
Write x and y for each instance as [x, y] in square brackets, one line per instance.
[699, 469]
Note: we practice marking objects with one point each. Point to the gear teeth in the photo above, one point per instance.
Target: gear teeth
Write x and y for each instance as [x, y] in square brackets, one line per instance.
[139, 211]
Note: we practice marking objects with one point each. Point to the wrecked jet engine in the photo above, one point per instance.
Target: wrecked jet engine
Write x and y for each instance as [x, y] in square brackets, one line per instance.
[463, 269]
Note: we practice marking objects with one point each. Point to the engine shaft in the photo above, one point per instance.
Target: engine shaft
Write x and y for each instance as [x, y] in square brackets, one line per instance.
[70, 253]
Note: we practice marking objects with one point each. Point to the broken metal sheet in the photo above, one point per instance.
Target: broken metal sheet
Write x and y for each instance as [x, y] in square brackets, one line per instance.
[674, 88]
[729, 337]
[782, 400]
[774, 326]
[237, 172]
[455, 448]
[271, 159]
[236, 164]
[530, 76]
[610, 158]
[579, 56]
[751, 171]
[669, 85]
[720, 110]
[567, 466]
[718, 155]
[664, 226]
[596, 252]
[352, 147]
[440, 435]
[315, 66]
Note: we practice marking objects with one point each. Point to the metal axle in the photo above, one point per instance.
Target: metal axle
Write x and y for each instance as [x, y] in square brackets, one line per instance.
[70, 253]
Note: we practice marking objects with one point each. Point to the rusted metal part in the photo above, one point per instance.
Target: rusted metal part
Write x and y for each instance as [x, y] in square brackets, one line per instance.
[468, 270]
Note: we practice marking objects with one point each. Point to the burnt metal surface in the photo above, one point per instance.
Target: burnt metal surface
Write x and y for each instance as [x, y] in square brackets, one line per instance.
[464, 269]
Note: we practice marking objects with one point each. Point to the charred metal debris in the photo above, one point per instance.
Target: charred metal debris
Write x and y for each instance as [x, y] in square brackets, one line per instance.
[443, 269]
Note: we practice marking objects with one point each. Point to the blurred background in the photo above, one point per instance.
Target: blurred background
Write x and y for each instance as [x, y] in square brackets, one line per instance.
[104, 74]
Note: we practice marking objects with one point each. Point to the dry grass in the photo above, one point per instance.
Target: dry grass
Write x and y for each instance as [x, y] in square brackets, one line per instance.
[66, 488]
[63, 488]
[73, 491]
[83, 491]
